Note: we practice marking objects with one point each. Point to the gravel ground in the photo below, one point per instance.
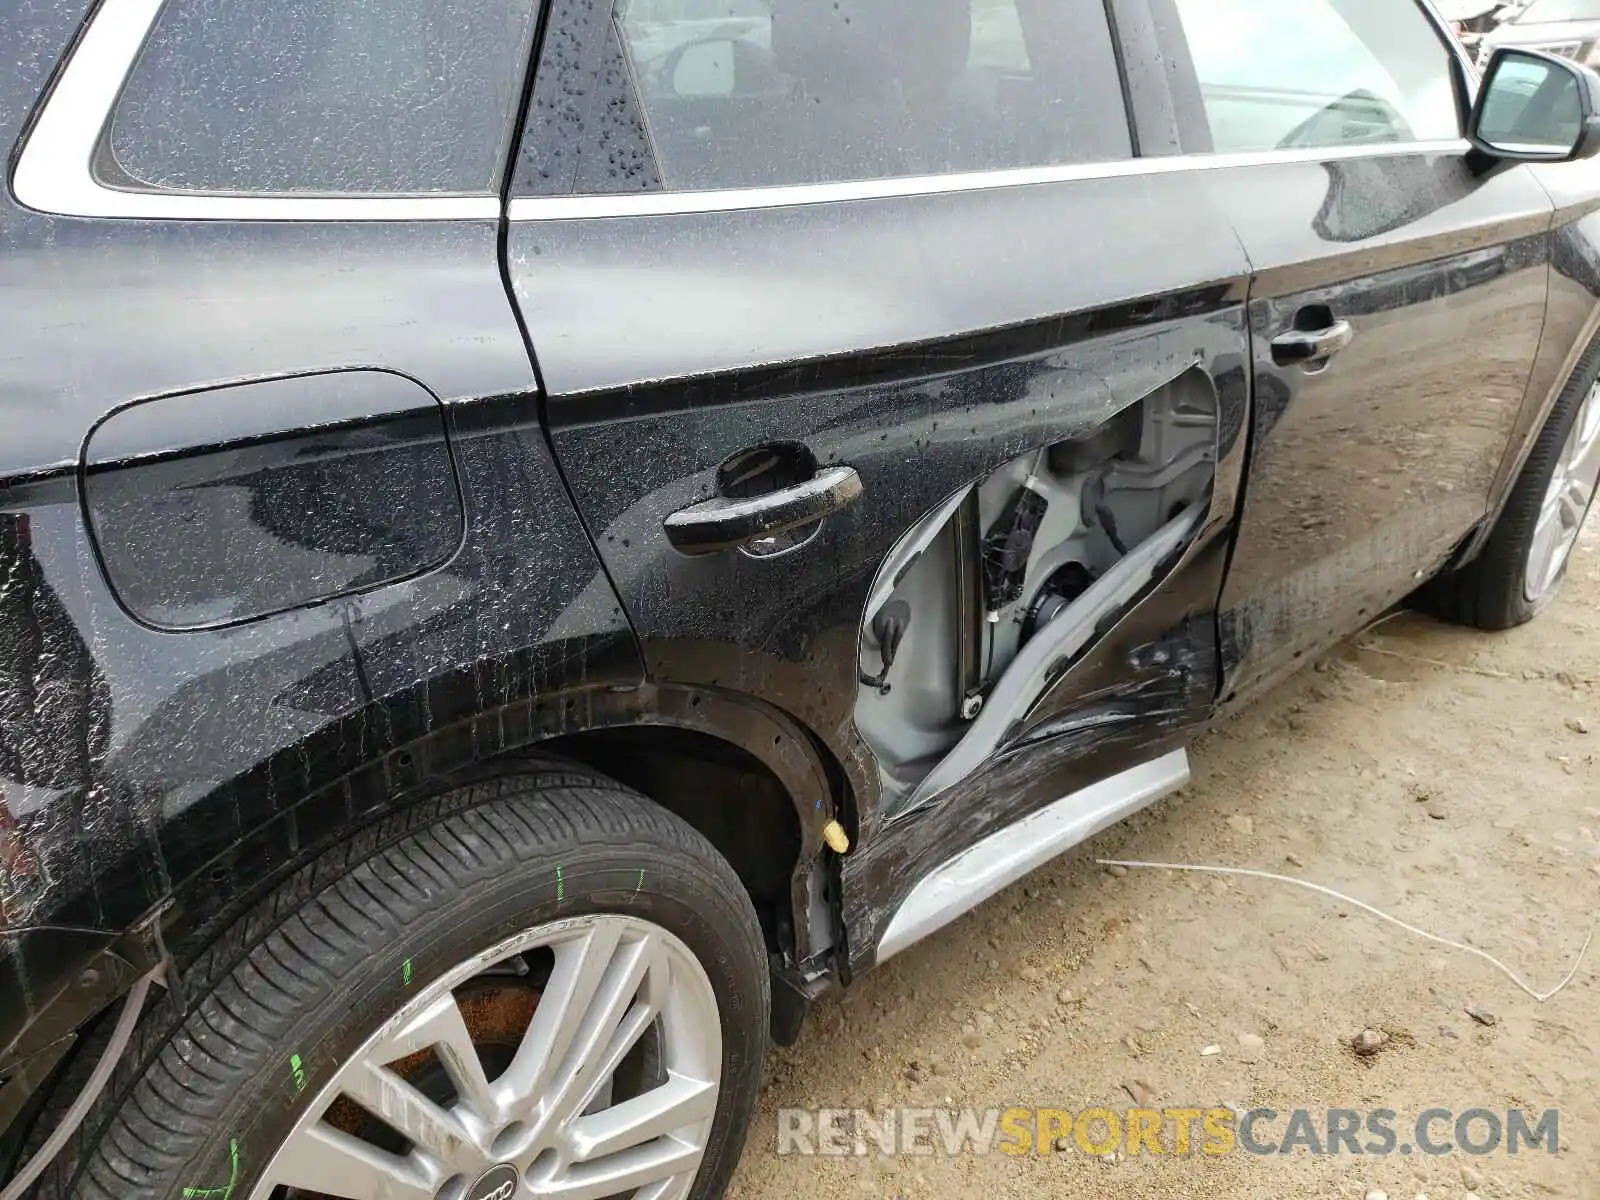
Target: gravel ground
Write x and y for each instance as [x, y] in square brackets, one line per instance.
[1446, 776]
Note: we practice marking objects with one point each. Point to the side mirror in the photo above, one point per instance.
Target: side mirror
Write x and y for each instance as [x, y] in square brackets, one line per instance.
[1536, 107]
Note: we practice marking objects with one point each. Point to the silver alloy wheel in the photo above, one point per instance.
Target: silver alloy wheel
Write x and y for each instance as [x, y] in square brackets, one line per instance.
[1566, 501]
[548, 1125]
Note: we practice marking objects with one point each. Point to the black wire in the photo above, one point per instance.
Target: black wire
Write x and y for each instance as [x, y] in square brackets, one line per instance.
[1102, 512]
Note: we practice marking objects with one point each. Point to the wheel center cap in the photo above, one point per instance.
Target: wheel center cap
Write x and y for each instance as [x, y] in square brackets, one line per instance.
[499, 1182]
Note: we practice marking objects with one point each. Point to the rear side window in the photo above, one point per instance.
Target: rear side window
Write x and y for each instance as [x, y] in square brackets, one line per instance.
[321, 97]
[748, 93]
[1294, 74]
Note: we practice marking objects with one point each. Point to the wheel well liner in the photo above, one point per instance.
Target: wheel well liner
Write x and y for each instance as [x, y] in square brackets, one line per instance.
[721, 789]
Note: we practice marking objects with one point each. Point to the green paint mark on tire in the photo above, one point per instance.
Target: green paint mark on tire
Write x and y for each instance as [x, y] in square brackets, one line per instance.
[299, 1073]
[640, 884]
[220, 1193]
[405, 971]
[561, 885]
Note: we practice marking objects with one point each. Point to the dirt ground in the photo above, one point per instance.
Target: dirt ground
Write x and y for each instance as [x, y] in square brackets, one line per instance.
[1445, 776]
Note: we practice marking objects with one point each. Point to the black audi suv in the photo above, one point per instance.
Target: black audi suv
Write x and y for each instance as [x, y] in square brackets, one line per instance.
[538, 537]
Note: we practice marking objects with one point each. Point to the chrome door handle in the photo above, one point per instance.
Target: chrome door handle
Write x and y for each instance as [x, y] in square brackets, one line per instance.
[1311, 348]
[726, 523]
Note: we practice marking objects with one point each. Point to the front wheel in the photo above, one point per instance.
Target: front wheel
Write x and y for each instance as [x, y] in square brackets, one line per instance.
[1525, 558]
[546, 987]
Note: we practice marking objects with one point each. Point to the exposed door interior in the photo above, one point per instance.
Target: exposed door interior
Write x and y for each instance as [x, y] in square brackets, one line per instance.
[986, 603]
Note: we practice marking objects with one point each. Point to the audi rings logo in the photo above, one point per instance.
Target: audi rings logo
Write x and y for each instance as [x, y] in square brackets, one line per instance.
[499, 1182]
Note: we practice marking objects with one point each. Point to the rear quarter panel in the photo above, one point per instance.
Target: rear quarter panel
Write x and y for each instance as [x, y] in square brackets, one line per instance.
[146, 773]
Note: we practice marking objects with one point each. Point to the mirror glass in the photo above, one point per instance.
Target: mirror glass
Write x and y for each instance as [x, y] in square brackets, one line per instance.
[1530, 106]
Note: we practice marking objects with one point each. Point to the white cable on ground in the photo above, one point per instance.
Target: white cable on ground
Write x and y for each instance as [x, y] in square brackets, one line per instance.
[1317, 887]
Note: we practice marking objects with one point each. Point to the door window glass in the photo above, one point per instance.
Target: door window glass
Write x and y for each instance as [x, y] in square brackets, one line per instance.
[320, 96]
[740, 93]
[1287, 74]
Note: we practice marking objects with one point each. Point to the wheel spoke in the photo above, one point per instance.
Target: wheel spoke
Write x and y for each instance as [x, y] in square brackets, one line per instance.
[553, 1112]
[1585, 448]
[585, 1082]
[330, 1162]
[441, 1027]
[660, 1111]
[1566, 502]
[395, 1102]
[1543, 551]
[585, 1012]
[613, 1025]
[660, 1162]
[1585, 460]
[675, 1188]
[1575, 502]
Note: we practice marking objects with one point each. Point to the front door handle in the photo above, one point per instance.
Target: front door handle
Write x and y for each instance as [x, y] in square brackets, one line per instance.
[726, 523]
[1311, 348]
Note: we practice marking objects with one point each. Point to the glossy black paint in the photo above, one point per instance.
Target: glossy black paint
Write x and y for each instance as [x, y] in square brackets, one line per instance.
[152, 781]
[194, 532]
[158, 780]
[1013, 333]
[1572, 317]
[1366, 474]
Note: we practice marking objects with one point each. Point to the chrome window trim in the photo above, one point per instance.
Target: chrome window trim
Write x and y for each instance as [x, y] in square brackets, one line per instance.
[657, 204]
[53, 173]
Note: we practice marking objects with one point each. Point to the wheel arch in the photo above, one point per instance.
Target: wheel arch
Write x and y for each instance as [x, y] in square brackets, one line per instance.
[617, 731]
[699, 737]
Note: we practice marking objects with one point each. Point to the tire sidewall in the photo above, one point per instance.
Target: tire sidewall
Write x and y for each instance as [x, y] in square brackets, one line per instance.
[489, 905]
[1488, 591]
[1533, 487]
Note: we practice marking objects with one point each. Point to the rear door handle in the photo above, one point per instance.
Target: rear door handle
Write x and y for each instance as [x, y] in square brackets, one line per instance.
[726, 523]
[1311, 348]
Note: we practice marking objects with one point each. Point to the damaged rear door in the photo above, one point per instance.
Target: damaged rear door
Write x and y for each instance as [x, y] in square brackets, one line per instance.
[890, 380]
[1001, 596]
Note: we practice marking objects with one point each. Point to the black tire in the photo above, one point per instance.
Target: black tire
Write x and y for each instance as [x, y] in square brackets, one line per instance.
[1488, 593]
[310, 973]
